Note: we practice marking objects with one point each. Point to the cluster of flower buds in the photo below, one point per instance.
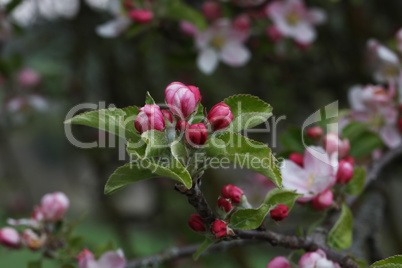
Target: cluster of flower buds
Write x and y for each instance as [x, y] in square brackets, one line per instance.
[183, 102]
[51, 210]
[317, 258]
[138, 15]
[115, 259]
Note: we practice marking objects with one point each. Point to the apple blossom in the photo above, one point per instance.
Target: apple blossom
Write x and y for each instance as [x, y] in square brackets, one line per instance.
[279, 262]
[53, 206]
[317, 259]
[385, 62]
[29, 78]
[196, 134]
[220, 116]
[323, 200]
[33, 240]
[195, 222]
[221, 41]
[109, 259]
[294, 20]
[219, 229]
[117, 25]
[182, 100]
[150, 117]
[232, 192]
[224, 204]
[313, 178]
[279, 212]
[9, 237]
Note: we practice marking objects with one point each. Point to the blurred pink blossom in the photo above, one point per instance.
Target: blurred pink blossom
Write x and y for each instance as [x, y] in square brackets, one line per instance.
[109, 259]
[317, 258]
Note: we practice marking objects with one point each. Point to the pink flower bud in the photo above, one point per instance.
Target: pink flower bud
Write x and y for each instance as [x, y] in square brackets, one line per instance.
[242, 23]
[274, 34]
[168, 115]
[182, 126]
[195, 222]
[188, 28]
[219, 229]
[29, 78]
[232, 192]
[85, 254]
[224, 204]
[150, 117]
[32, 240]
[141, 16]
[279, 262]
[53, 206]
[196, 134]
[296, 158]
[323, 200]
[10, 238]
[315, 132]
[211, 10]
[182, 100]
[333, 144]
[349, 159]
[345, 172]
[220, 116]
[316, 259]
[279, 212]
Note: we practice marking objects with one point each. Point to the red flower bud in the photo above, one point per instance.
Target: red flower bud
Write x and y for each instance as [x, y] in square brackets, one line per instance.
[195, 222]
[323, 200]
[219, 229]
[168, 115]
[242, 23]
[279, 262]
[400, 125]
[211, 10]
[10, 238]
[345, 172]
[182, 126]
[141, 16]
[150, 117]
[196, 134]
[232, 192]
[279, 213]
[224, 204]
[181, 99]
[274, 34]
[220, 116]
[315, 132]
[296, 158]
[349, 159]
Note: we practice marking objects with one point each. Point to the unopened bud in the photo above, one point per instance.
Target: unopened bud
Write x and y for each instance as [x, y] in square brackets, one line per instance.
[196, 223]
[196, 134]
[323, 200]
[279, 262]
[279, 212]
[345, 172]
[220, 116]
[297, 158]
[211, 10]
[219, 229]
[141, 16]
[224, 204]
[53, 206]
[10, 238]
[232, 192]
[315, 132]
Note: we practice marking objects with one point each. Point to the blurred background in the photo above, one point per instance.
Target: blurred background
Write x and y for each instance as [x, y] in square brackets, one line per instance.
[74, 65]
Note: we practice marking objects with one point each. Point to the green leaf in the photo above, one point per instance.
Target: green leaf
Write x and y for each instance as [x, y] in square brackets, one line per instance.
[112, 120]
[204, 246]
[353, 130]
[340, 236]
[291, 140]
[243, 152]
[149, 99]
[356, 184]
[156, 143]
[248, 111]
[102, 248]
[391, 262]
[34, 264]
[180, 11]
[145, 168]
[179, 152]
[281, 196]
[251, 218]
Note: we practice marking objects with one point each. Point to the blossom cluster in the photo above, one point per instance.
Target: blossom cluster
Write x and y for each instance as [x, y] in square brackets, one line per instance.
[317, 258]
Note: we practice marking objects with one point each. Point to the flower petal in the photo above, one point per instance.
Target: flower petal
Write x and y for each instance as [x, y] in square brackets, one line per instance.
[111, 259]
[207, 60]
[235, 54]
[113, 28]
[391, 136]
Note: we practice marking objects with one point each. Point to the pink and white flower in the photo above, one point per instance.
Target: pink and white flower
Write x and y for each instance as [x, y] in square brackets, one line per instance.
[53, 206]
[315, 259]
[221, 41]
[109, 259]
[292, 19]
[279, 262]
[182, 99]
[10, 237]
[316, 175]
